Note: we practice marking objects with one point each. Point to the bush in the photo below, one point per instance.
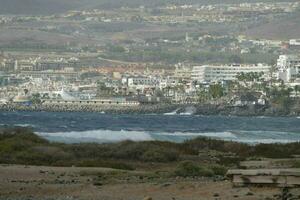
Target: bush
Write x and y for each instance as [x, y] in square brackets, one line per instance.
[22, 146]
[160, 155]
[296, 164]
[190, 169]
[218, 170]
[106, 164]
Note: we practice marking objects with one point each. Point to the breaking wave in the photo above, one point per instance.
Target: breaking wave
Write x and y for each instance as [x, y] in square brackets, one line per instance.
[106, 136]
[96, 136]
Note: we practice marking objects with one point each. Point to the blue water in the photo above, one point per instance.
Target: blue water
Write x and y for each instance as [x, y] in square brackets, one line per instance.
[96, 127]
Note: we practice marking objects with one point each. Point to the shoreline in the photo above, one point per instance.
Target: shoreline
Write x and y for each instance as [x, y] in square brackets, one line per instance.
[167, 109]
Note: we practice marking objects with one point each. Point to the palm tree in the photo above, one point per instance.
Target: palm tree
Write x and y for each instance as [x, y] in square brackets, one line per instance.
[216, 91]
[138, 92]
[297, 89]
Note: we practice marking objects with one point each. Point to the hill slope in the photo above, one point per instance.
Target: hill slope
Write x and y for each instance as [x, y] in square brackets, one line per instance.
[287, 28]
[57, 6]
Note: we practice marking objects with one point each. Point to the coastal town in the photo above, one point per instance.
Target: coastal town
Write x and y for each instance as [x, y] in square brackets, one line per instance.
[190, 54]
[33, 81]
[149, 99]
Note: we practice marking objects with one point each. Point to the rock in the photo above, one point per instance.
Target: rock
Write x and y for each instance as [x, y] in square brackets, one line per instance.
[97, 184]
[249, 194]
[166, 184]
[147, 198]
[216, 195]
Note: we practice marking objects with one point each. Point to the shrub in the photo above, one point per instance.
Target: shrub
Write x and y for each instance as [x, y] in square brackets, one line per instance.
[160, 155]
[128, 150]
[218, 169]
[296, 164]
[103, 163]
[190, 169]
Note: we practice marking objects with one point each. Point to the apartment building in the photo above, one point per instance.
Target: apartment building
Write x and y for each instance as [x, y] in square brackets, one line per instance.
[288, 67]
[216, 73]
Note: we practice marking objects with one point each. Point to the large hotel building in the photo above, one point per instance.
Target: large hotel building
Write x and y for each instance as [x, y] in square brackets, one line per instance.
[216, 73]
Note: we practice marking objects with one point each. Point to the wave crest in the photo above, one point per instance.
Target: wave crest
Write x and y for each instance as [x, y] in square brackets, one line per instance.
[103, 136]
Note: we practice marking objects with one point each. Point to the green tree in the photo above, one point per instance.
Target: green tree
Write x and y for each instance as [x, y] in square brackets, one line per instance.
[297, 89]
[36, 98]
[216, 91]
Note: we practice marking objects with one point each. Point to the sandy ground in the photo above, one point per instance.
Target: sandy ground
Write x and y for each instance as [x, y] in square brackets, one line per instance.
[32, 182]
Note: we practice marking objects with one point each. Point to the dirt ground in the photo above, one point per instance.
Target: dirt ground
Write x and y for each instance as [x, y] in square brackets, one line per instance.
[33, 182]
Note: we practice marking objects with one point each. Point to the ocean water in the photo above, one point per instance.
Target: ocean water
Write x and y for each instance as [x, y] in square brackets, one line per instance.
[99, 127]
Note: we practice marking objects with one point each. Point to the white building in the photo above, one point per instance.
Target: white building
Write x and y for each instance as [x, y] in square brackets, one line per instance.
[182, 71]
[294, 42]
[142, 82]
[216, 73]
[288, 67]
[167, 82]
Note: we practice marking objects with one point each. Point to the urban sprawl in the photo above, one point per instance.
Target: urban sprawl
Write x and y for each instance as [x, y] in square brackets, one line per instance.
[123, 69]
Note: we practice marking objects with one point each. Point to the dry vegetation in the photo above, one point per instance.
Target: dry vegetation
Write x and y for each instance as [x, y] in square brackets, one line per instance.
[127, 170]
[22, 146]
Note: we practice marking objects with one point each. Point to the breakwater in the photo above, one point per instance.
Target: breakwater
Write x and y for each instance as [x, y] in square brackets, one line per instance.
[138, 109]
[161, 108]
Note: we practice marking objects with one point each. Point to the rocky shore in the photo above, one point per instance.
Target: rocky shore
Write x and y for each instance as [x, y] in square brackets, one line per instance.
[184, 109]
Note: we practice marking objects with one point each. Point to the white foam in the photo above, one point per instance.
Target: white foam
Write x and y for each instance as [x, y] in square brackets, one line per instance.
[116, 136]
[266, 141]
[102, 135]
[225, 134]
[170, 113]
[251, 137]
[24, 125]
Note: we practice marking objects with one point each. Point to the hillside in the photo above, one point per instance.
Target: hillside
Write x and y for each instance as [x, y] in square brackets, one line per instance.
[286, 28]
[45, 7]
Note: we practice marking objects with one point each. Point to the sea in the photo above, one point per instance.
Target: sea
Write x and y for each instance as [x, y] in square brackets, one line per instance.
[79, 127]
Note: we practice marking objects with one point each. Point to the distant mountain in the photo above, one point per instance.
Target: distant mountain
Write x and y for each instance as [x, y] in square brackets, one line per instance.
[44, 7]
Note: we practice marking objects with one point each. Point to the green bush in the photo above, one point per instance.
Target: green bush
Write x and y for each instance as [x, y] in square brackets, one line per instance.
[190, 169]
[160, 155]
[218, 170]
[296, 164]
[22, 146]
[106, 164]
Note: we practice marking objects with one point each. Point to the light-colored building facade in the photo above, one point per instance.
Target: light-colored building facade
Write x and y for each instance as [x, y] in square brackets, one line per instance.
[141, 82]
[288, 67]
[216, 73]
[182, 71]
[294, 42]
